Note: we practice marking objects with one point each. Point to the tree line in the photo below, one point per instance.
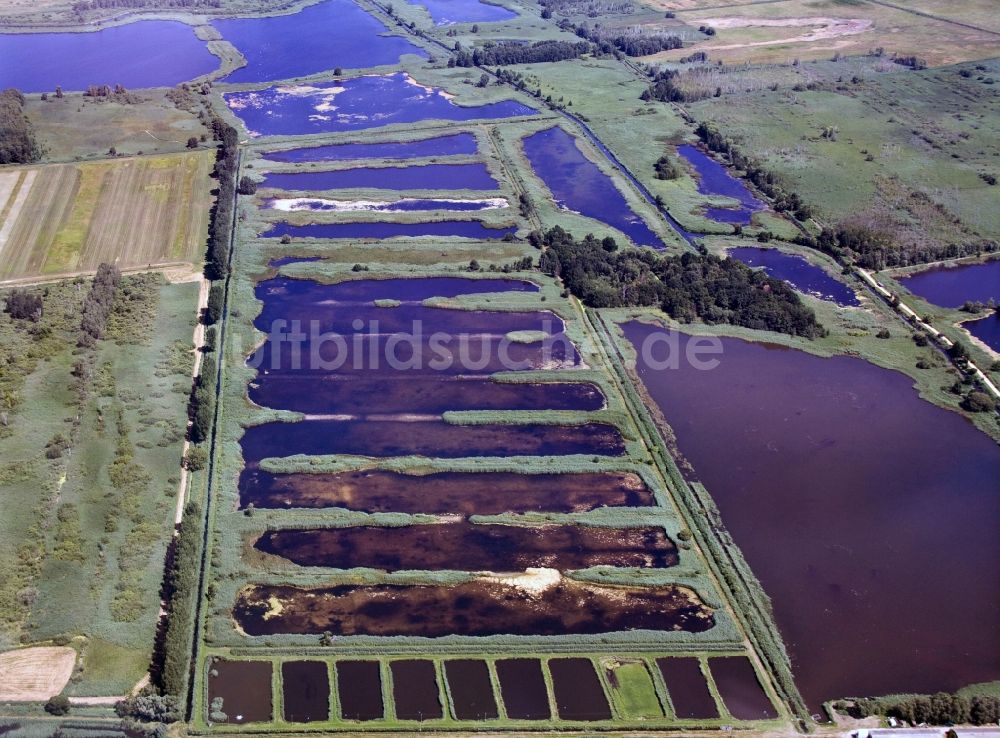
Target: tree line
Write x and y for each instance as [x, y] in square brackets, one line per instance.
[688, 287]
[82, 6]
[17, 136]
[874, 248]
[221, 219]
[765, 180]
[508, 52]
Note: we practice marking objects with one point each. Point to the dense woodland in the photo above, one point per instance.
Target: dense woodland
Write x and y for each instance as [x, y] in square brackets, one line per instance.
[688, 287]
[17, 139]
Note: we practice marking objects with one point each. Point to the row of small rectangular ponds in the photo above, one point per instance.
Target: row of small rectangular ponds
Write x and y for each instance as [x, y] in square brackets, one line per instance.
[564, 689]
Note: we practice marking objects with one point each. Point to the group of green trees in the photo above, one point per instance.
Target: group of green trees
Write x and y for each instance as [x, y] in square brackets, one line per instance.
[24, 305]
[508, 52]
[97, 305]
[17, 137]
[688, 287]
[663, 87]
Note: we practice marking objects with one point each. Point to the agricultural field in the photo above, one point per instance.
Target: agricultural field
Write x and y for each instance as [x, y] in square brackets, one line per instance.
[90, 476]
[66, 218]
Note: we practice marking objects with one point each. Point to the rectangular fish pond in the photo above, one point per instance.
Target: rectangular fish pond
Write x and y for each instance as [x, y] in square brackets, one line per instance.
[474, 176]
[461, 493]
[456, 144]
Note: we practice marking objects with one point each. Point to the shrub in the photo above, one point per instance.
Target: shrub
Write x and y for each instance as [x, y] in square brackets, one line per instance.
[196, 459]
[979, 402]
[58, 705]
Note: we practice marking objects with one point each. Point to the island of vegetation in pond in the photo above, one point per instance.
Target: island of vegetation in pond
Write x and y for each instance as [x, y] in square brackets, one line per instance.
[317, 38]
[354, 104]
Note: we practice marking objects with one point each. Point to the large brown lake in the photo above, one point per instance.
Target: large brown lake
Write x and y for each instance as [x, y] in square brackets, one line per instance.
[869, 515]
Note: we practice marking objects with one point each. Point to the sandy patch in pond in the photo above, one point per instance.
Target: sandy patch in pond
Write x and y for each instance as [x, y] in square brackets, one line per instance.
[823, 29]
[35, 674]
[294, 204]
[532, 581]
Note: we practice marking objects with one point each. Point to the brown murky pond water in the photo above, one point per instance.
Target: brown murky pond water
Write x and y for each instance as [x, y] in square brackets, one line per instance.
[687, 688]
[405, 437]
[578, 691]
[522, 687]
[415, 690]
[471, 689]
[239, 690]
[740, 689]
[471, 547]
[359, 687]
[476, 608]
[305, 691]
[460, 493]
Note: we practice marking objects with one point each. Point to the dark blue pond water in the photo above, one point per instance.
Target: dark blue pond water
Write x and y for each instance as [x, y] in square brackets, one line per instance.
[952, 287]
[458, 144]
[406, 205]
[462, 228]
[283, 294]
[714, 179]
[355, 104]
[429, 177]
[447, 12]
[334, 33]
[578, 184]
[142, 54]
[798, 272]
[986, 330]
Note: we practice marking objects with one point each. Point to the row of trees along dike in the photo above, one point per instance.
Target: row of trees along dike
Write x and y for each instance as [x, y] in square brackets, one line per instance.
[17, 137]
[688, 287]
[171, 671]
